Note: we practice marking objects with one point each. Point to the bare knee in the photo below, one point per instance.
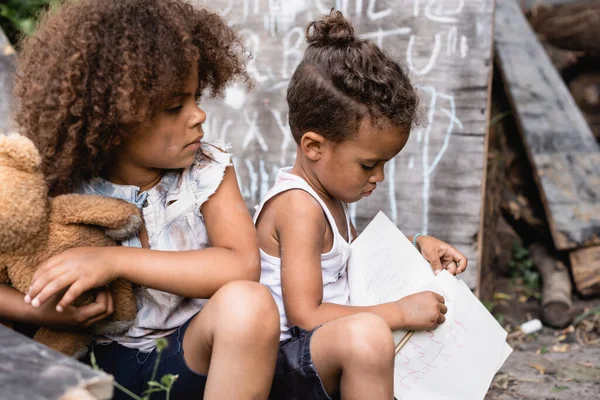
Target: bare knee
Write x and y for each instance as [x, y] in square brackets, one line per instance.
[368, 340]
[247, 311]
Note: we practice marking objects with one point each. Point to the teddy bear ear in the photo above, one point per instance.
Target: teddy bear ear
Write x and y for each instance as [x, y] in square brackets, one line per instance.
[17, 151]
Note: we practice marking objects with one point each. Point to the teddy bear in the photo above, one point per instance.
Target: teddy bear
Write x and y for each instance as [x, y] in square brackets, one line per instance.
[34, 227]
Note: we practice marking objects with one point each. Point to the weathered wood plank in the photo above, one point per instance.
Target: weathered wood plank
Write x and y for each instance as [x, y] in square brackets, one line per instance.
[7, 71]
[559, 143]
[585, 265]
[435, 183]
[31, 371]
[494, 186]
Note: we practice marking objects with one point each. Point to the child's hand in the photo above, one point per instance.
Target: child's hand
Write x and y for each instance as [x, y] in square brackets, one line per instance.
[74, 317]
[422, 311]
[76, 271]
[441, 255]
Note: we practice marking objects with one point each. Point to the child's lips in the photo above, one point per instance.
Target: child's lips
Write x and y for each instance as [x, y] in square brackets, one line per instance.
[195, 144]
[368, 192]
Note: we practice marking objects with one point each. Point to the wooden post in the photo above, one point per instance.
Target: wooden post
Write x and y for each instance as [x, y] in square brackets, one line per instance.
[493, 188]
[556, 289]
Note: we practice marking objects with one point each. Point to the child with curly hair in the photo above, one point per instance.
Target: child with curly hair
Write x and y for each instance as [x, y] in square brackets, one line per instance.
[351, 109]
[109, 93]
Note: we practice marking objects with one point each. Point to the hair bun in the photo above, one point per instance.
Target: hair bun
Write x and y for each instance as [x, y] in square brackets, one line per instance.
[333, 29]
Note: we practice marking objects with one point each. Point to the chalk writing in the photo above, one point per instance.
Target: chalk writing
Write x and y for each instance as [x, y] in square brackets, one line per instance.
[444, 44]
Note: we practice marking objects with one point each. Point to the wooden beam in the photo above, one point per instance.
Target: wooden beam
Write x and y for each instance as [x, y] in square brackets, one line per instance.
[559, 142]
[31, 371]
[493, 187]
[585, 265]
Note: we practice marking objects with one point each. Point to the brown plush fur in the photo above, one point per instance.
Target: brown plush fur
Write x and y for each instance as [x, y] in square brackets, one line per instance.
[35, 228]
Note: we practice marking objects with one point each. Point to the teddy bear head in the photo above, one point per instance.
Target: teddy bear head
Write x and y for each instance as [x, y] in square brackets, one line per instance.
[23, 193]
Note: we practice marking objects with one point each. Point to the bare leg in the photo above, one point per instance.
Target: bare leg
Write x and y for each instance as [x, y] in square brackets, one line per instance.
[355, 355]
[235, 336]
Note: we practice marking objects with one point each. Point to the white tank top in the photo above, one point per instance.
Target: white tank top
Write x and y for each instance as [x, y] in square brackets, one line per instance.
[333, 263]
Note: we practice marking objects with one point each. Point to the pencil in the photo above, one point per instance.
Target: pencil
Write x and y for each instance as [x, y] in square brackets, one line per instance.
[404, 340]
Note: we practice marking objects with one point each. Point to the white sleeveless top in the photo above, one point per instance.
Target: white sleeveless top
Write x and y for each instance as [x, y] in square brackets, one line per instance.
[333, 263]
[174, 222]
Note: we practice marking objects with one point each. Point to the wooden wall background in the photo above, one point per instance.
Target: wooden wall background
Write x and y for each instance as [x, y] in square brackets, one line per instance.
[435, 184]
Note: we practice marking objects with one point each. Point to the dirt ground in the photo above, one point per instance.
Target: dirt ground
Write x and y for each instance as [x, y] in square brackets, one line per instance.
[550, 364]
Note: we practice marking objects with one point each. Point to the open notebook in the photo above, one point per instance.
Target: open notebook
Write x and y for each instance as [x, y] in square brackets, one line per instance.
[456, 361]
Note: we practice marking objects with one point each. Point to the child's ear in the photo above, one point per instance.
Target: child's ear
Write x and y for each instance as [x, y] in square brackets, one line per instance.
[312, 144]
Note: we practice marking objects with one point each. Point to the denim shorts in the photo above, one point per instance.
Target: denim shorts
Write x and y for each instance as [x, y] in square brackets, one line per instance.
[133, 368]
[296, 377]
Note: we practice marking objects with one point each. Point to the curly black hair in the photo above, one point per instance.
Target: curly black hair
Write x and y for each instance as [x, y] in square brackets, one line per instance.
[342, 79]
[95, 66]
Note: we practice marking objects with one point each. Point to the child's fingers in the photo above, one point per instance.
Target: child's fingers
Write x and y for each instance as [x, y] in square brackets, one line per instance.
[462, 263]
[443, 309]
[106, 296]
[93, 312]
[88, 314]
[39, 283]
[46, 266]
[110, 302]
[459, 258]
[452, 268]
[56, 285]
[101, 308]
[434, 261]
[75, 290]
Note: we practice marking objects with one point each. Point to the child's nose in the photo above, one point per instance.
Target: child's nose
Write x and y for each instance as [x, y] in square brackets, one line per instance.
[198, 118]
[378, 176]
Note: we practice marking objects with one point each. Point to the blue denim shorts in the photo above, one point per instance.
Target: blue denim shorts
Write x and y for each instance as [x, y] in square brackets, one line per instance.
[296, 377]
[133, 368]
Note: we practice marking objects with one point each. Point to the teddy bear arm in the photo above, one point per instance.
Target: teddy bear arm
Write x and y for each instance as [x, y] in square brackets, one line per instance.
[119, 218]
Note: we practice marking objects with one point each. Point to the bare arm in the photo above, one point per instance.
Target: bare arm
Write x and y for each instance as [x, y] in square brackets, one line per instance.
[13, 308]
[232, 256]
[300, 225]
[200, 273]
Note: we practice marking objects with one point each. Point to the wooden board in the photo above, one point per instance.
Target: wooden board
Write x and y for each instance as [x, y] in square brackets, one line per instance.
[435, 185]
[585, 265]
[494, 187]
[560, 145]
[7, 71]
[31, 371]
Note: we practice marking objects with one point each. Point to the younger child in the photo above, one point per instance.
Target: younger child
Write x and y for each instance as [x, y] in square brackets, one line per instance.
[350, 110]
[109, 92]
